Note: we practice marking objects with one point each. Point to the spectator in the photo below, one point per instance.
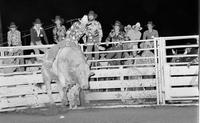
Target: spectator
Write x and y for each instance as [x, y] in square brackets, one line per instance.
[147, 53]
[38, 35]
[134, 34]
[14, 39]
[32, 69]
[129, 61]
[103, 57]
[14, 36]
[150, 33]
[116, 35]
[59, 31]
[93, 35]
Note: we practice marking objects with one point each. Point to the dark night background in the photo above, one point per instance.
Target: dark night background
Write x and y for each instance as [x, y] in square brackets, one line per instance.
[171, 17]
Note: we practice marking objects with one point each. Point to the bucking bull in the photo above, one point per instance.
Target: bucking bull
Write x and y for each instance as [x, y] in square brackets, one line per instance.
[70, 71]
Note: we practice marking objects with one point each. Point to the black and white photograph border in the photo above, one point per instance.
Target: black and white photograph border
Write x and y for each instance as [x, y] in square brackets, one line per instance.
[132, 61]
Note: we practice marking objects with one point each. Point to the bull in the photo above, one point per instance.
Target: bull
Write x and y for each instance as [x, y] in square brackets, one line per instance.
[69, 67]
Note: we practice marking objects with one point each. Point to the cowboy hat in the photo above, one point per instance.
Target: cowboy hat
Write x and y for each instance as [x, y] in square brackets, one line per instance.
[58, 18]
[150, 23]
[91, 12]
[84, 19]
[37, 21]
[137, 25]
[128, 27]
[12, 25]
[118, 23]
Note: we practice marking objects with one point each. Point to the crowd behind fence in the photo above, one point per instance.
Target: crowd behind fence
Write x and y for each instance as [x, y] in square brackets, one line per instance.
[137, 60]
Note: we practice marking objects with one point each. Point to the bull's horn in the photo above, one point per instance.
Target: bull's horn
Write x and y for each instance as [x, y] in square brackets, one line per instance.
[91, 74]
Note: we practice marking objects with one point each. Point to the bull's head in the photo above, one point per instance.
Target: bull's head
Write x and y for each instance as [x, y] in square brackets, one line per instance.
[85, 74]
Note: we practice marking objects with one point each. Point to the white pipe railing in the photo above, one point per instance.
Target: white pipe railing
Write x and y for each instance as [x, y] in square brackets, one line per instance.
[103, 60]
[4, 49]
[174, 56]
[181, 37]
[181, 46]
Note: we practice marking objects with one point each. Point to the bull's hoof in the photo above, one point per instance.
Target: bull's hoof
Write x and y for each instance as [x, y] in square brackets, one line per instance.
[65, 102]
[73, 107]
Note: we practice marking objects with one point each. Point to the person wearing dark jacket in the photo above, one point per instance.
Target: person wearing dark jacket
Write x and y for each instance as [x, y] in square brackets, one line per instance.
[38, 35]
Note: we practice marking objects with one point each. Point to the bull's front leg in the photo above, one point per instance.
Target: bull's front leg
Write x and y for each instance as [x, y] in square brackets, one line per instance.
[47, 81]
[62, 89]
[49, 92]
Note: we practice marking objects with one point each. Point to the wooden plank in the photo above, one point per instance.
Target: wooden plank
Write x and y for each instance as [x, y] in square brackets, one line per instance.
[24, 90]
[29, 100]
[183, 70]
[122, 84]
[183, 92]
[120, 95]
[20, 79]
[185, 80]
[124, 72]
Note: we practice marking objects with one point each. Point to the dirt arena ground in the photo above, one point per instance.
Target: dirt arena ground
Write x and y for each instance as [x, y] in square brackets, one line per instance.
[188, 114]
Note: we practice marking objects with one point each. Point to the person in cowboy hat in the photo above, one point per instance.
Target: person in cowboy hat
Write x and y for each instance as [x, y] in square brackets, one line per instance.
[150, 33]
[93, 35]
[116, 35]
[134, 34]
[59, 31]
[14, 39]
[14, 35]
[38, 34]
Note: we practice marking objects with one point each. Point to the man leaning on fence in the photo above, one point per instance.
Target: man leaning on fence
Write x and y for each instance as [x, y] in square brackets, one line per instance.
[151, 33]
[14, 39]
[38, 35]
[116, 35]
[133, 33]
[59, 31]
[93, 35]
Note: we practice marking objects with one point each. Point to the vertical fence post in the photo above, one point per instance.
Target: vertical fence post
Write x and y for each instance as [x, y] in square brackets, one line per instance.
[163, 67]
[198, 62]
[161, 60]
[156, 71]
[159, 69]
